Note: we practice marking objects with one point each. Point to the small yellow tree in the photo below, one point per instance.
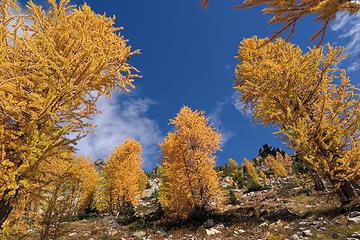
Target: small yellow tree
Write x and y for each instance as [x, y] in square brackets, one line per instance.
[276, 165]
[251, 172]
[125, 178]
[263, 177]
[88, 177]
[103, 194]
[66, 186]
[310, 100]
[231, 167]
[70, 191]
[189, 181]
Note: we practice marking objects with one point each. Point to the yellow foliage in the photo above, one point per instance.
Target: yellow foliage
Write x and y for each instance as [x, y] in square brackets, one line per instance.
[70, 192]
[189, 181]
[143, 181]
[102, 194]
[66, 187]
[124, 178]
[263, 176]
[86, 172]
[251, 171]
[289, 12]
[51, 75]
[231, 167]
[276, 165]
[308, 98]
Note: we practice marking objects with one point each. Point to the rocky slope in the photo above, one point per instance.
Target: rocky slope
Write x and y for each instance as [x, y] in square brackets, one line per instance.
[268, 214]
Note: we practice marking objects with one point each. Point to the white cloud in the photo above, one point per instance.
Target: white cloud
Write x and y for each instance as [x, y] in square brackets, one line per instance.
[121, 118]
[12, 25]
[349, 28]
[215, 120]
[246, 112]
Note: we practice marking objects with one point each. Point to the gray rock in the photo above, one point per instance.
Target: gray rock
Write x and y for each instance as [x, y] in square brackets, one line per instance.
[354, 214]
[112, 232]
[209, 223]
[295, 237]
[240, 231]
[264, 224]
[220, 226]
[356, 235]
[139, 234]
[336, 235]
[307, 233]
[354, 219]
[212, 231]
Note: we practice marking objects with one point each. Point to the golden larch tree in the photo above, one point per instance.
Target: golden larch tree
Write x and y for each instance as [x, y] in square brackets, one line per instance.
[231, 167]
[66, 186]
[125, 178]
[51, 74]
[189, 181]
[70, 192]
[310, 101]
[89, 178]
[251, 172]
[276, 165]
[290, 12]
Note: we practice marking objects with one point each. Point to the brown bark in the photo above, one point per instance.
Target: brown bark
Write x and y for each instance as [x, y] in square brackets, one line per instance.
[319, 183]
[6, 207]
[348, 192]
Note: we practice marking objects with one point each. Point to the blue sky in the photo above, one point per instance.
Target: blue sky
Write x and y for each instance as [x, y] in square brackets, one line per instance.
[188, 59]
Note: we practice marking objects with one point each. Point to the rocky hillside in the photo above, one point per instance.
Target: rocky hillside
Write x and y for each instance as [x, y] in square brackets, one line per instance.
[267, 214]
[279, 207]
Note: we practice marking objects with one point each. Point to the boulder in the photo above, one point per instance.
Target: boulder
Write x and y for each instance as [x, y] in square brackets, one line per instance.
[307, 233]
[212, 231]
[295, 237]
[239, 232]
[209, 223]
[354, 219]
[139, 234]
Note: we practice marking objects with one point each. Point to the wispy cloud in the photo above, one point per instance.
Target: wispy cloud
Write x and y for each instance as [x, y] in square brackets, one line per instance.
[215, 120]
[121, 118]
[235, 100]
[12, 25]
[349, 28]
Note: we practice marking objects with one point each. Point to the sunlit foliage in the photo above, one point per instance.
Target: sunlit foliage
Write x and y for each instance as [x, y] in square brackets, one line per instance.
[263, 177]
[290, 12]
[54, 65]
[276, 165]
[69, 192]
[66, 188]
[231, 167]
[251, 172]
[189, 181]
[309, 99]
[124, 179]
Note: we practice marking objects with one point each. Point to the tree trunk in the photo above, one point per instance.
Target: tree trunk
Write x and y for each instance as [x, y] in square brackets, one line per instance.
[318, 182]
[348, 191]
[5, 209]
